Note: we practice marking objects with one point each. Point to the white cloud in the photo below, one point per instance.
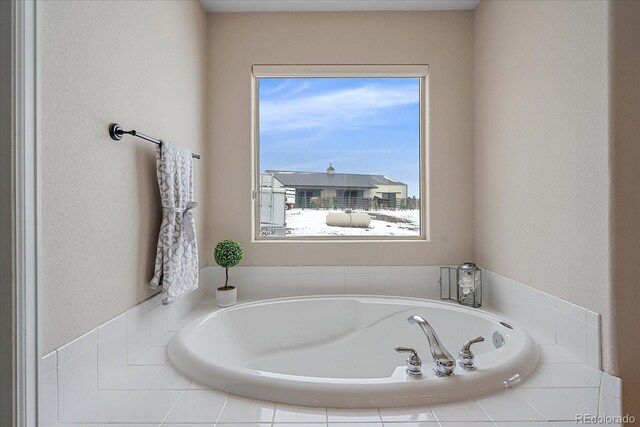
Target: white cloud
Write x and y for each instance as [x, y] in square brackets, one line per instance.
[282, 86]
[285, 89]
[344, 108]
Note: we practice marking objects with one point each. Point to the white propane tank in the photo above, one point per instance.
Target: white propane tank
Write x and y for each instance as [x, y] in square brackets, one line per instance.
[344, 219]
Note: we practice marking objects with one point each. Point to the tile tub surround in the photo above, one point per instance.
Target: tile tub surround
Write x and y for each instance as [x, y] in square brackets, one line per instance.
[119, 373]
[255, 283]
[85, 379]
[568, 325]
[572, 327]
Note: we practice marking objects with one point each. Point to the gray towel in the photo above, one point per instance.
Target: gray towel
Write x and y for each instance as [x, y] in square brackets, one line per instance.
[176, 270]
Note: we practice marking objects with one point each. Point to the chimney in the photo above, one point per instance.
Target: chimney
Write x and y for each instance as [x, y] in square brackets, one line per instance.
[330, 170]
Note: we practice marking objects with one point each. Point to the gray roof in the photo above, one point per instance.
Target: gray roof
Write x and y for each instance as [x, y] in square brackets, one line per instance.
[336, 180]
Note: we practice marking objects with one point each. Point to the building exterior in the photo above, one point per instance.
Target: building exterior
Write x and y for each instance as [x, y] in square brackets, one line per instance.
[340, 190]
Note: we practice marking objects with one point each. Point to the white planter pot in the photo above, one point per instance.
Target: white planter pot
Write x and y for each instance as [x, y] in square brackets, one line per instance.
[226, 298]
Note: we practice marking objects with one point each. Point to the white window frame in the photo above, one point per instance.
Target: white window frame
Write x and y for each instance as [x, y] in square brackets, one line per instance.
[372, 71]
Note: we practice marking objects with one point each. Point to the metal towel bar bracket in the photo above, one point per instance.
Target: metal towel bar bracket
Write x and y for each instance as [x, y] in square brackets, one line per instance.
[116, 132]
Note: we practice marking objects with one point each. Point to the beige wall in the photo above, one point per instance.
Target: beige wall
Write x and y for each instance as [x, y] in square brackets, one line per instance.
[541, 148]
[556, 101]
[139, 63]
[443, 40]
[625, 152]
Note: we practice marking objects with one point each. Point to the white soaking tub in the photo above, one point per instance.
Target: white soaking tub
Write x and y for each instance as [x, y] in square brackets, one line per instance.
[338, 351]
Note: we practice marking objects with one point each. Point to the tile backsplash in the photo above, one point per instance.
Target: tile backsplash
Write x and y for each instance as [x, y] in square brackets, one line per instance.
[560, 322]
[256, 283]
[121, 354]
[568, 325]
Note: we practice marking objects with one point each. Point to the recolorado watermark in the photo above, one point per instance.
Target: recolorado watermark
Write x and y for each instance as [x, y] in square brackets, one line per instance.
[605, 419]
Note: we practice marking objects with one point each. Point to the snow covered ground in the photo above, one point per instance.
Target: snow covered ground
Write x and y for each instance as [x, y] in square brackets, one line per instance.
[310, 222]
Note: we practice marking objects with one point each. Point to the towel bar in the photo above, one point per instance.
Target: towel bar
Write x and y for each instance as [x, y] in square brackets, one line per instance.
[116, 132]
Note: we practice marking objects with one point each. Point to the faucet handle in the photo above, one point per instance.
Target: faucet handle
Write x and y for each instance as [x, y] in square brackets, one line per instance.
[414, 364]
[467, 358]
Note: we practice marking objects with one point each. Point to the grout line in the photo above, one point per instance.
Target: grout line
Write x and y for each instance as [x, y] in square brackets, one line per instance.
[126, 333]
[173, 407]
[576, 400]
[484, 410]
[54, 372]
[223, 407]
[98, 366]
[380, 416]
[150, 378]
[148, 314]
[79, 404]
[86, 398]
[57, 389]
[77, 355]
[434, 414]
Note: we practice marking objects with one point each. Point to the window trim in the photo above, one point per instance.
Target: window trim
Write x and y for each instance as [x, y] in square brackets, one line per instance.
[380, 71]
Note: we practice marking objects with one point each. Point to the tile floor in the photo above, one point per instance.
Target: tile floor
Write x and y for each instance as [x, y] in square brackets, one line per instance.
[561, 387]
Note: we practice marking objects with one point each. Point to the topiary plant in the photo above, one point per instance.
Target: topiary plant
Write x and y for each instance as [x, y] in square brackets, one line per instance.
[228, 253]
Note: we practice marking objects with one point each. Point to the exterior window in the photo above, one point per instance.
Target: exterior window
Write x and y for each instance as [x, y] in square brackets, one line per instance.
[335, 141]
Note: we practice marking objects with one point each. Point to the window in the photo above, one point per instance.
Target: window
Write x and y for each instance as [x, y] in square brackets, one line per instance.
[339, 152]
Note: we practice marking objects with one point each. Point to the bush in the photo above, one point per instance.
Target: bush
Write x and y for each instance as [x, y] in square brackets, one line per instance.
[228, 253]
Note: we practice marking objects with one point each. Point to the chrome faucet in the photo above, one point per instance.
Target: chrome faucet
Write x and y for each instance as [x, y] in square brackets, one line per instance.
[467, 358]
[444, 362]
[414, 364]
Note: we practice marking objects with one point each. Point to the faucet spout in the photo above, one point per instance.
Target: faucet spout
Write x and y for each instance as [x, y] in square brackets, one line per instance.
[445, 363]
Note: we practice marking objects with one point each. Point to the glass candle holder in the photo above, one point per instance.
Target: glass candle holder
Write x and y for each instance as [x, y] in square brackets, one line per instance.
[469, 285]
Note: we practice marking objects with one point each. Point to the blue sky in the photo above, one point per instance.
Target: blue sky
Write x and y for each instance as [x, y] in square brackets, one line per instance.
[360, 125]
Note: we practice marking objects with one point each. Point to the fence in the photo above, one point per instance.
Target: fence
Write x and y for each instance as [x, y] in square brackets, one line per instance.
[358, 203]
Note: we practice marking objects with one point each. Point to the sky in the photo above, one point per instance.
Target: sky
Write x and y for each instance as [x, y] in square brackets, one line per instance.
[359, 125]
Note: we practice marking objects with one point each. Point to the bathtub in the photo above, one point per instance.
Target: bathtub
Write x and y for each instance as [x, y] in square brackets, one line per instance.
[338, 351]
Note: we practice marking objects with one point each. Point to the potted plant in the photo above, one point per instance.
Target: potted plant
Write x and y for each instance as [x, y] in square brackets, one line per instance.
[228, 253]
